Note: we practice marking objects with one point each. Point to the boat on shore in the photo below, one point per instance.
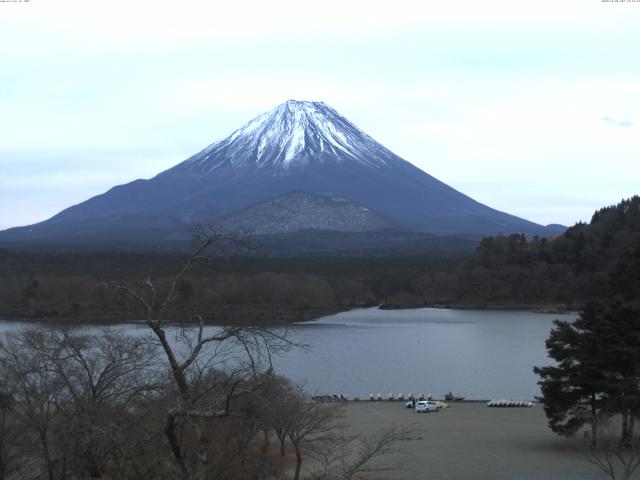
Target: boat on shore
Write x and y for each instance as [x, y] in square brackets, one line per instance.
[450, 397]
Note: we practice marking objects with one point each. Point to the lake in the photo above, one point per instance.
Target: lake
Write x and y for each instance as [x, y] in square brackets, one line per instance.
[476, 353]
[480, 354]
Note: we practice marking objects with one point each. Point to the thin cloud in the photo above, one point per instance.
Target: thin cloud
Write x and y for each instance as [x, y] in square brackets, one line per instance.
[617, 122]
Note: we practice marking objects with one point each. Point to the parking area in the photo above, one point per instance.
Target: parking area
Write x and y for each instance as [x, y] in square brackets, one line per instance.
[472, 441]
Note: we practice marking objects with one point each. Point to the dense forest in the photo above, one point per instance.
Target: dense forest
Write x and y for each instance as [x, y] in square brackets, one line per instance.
[569, 269]
[503, 272]
[77, 286]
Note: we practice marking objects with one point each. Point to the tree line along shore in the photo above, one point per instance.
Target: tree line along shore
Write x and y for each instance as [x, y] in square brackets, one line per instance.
[512, 271]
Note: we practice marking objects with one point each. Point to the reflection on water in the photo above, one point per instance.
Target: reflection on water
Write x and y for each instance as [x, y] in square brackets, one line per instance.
[476, 353]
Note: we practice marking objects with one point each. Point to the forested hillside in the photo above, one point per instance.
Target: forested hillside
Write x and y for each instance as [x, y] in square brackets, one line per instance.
[70, 285]
[569, 269]
[504, 272]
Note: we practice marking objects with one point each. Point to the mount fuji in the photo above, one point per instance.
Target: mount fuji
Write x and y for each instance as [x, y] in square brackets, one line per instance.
[301, 147]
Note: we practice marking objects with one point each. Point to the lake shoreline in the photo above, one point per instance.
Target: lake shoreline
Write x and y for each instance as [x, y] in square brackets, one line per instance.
[283, 318]
[559, 308]
[481, 354]
[225, 318]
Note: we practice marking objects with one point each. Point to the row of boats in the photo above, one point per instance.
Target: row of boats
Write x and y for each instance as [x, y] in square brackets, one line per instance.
[449, 397]
[510, 403]
[411, 399]
[392, 397]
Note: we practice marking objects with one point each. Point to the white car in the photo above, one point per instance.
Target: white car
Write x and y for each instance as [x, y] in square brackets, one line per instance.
[426, 406]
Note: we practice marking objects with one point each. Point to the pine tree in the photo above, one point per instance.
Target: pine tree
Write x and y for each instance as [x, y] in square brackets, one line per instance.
[598, 359]
[619, 326]
[573, 391]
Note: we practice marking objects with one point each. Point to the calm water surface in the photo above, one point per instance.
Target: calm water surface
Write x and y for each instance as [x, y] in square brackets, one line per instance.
[476, 353]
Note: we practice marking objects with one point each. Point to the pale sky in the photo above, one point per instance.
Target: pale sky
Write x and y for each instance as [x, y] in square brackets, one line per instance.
[531, 107]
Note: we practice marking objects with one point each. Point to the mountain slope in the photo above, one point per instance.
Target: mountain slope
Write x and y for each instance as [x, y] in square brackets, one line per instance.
[298, 146]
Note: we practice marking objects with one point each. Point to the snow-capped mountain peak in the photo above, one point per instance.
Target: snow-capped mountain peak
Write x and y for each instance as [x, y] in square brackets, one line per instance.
[293, 135]
[303, 147]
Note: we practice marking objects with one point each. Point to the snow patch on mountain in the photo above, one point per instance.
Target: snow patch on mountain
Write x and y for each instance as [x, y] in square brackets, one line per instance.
[292, 135]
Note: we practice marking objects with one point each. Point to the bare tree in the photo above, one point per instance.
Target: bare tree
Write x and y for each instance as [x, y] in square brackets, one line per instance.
[38, 392]
[102, 375]
[72, 393]
[617, 458]
[310, 425]
[280, 401]
[92, 403]
[194, 353]
[345, 457]
[316, 432]
[10, 433]
[106, 367]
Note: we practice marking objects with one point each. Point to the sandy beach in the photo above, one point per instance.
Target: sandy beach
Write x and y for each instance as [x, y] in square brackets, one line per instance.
[471, 441]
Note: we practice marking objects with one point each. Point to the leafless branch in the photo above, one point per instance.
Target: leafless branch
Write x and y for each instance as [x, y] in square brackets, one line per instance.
[610, 455]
